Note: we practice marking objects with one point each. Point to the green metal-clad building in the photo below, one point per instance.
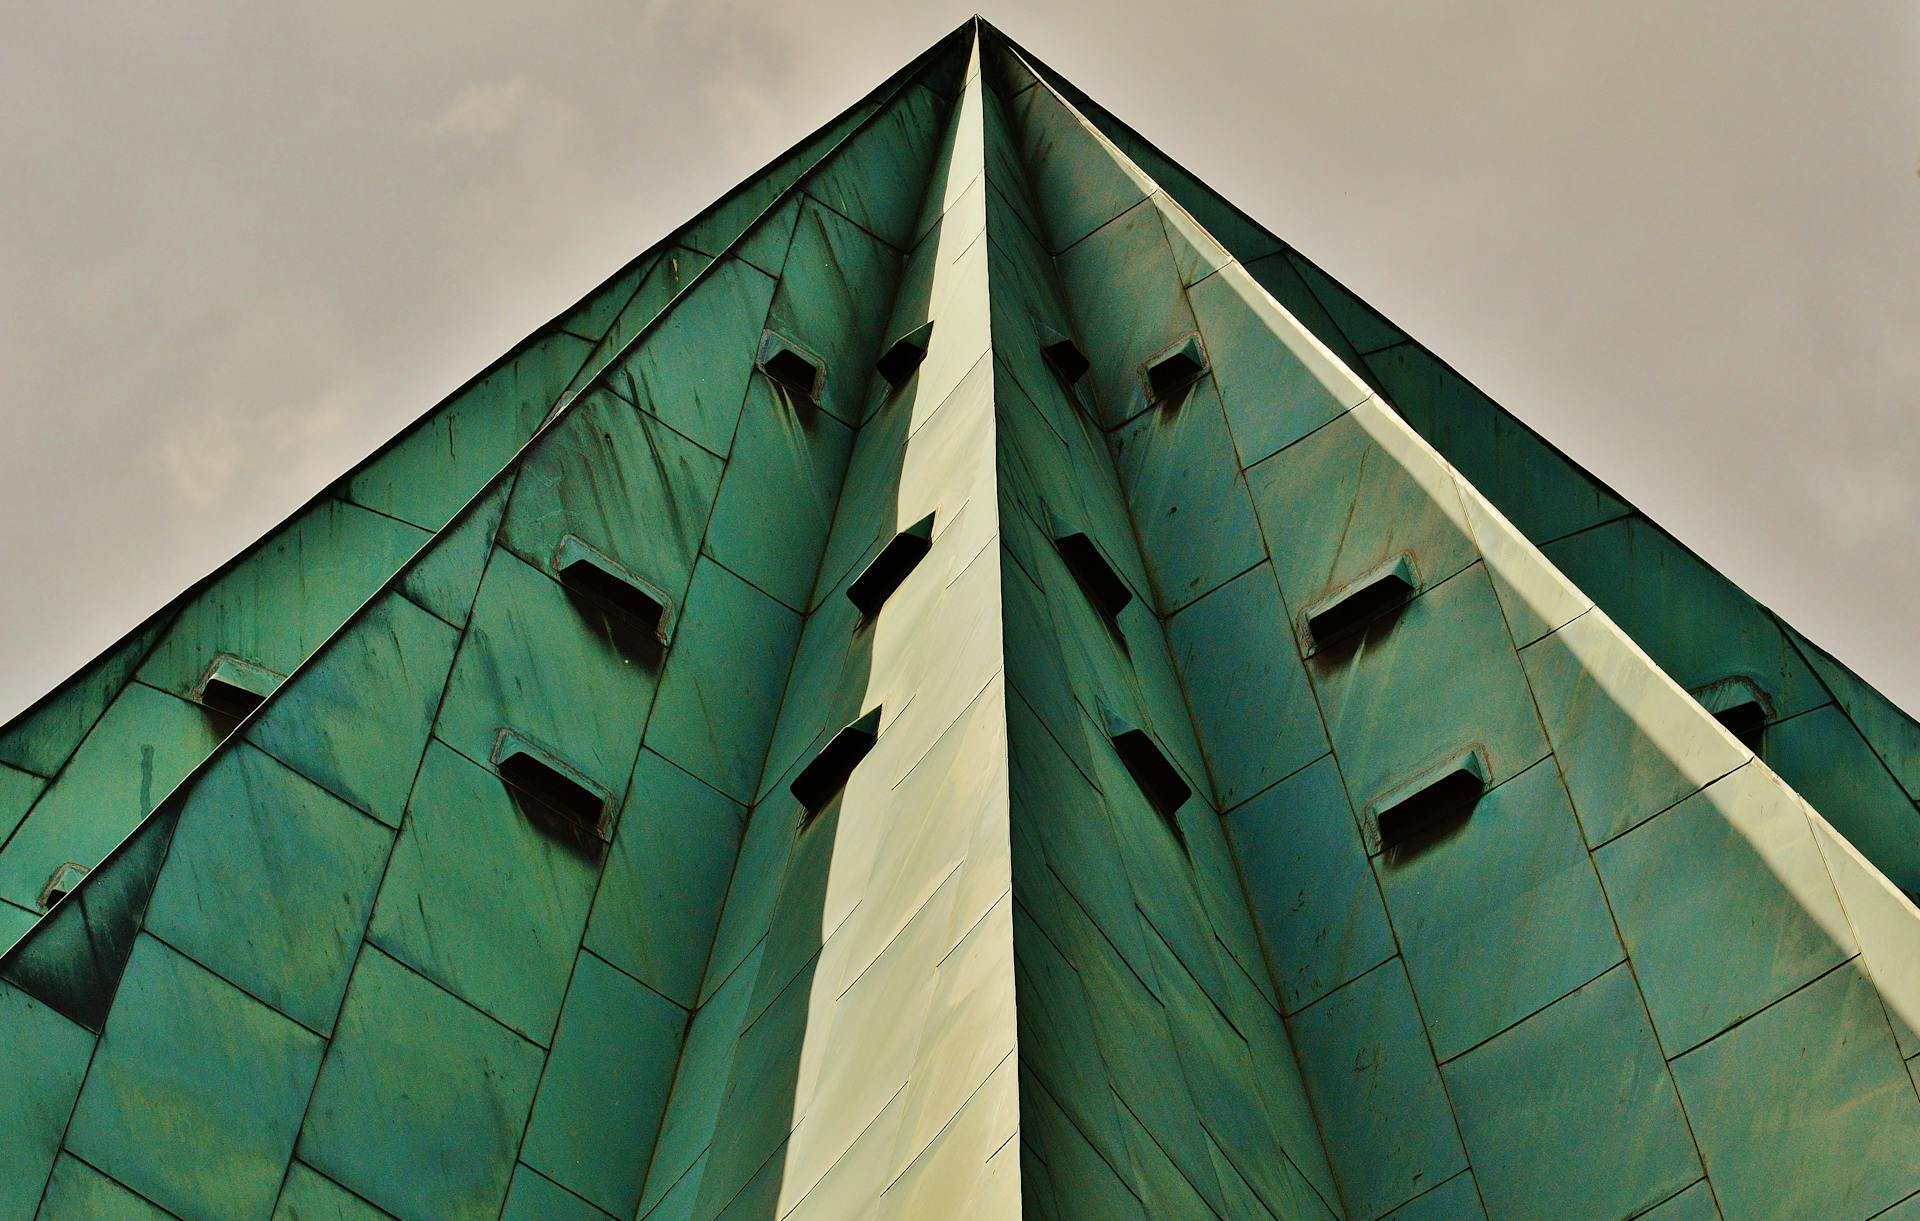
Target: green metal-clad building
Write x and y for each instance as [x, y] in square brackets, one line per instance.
[969, 680]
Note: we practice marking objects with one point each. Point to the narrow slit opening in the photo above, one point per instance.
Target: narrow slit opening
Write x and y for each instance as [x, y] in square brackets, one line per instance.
[1097, 579]
[1160, 782]
[884, 574]
[1067, 360]
[61, 883]
[233, 686]
[899, 361]
[586, 570]
[1432, 811]
[1173, 372]
[821, 780]
[1360, 605]
[551, 791]
[1747, 722]
[793, 371]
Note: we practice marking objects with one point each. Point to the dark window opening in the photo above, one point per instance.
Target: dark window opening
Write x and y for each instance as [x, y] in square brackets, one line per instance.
[1359, 606]
[826, 774]
[1102, 585]
[1160, 782]
[883, 575]
[1432, 811]
[61, 884]
[586, 570]
[1745, 721]
[234, 686]
[794, 372]
[898, 362]
[1171, 373]
[553, 792]
[1067, 359]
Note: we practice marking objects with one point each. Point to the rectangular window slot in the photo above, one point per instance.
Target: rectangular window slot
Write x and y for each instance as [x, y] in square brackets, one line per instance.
[1171, 373]
[1160, 782]
[1385, 589]
[234, 686]
[899, 361]
[1741, 706]
[554, 792]
[792, 367]
[887, 570]
[1102, 585]
[61, 884]
[821, 780]
[588, 570]
[1065, 356]
[1419, 812]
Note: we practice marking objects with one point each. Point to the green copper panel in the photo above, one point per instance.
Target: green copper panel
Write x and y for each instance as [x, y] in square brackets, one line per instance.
[874, 180]
[481, 898]
[1502, 917]
[665, 879]
[78, 1192]
[18, 791]
[1251, 703]
[1364, 328]
[1383, 1111]
[1078, 184]
[1590, 1069]
[1736, 867]
[143, 745]
[43, 1057]
[1128, 304]
[1803, 1110]
[356, 720]
[309, 1195]
[227, 1077]
[1277, 274]
[534, 1197]
[1823, 756]
[406, 1054]
[446, 578]
[1457, 1199]
[42, 738]
[269, 882]
[833, 295]
[605, 1086]
[1894, 735]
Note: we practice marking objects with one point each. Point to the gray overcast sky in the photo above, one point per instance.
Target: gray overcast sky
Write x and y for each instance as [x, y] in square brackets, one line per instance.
[241, 245]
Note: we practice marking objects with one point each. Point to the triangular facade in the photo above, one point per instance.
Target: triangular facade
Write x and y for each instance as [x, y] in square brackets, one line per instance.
[971, 680]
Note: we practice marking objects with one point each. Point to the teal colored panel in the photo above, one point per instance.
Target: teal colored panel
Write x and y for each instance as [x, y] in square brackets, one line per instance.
[1893, 734]
[405, 1057]
[1501, 917]
[776, 501]
[447, 577]
[691, 369]
[1084, 1183]
[596, 312]
[621, 481]
[1734, 867]
[559, 669]
[1571, 1113]
[311, 1196]
[1252, 707]
[221, 1075]
[533, 1197]
[1444, 675]
[1643, 579]
[1538, 489]
[18, 791]
[877, 176]
[440, 463]
[723, 681]
[14, 923]
[1822, 755]
[765, 244]
[1275, 385]
[832, 299]
[43, 1058]
[481, 898]
[268, 882]
[1629, 742]
[1457, 1199]
[1366, 329]
[758, 1111]
[1078, 181]
[1125, 291]
[1382, 1109]
[658, 907]
[78, 1192]
[601, 1098]
[1275, 273]
[1804, 1111]
[356, 721]
[287, 596]
[1195, 251]
[41, 740]
[144, 745]
[676, 267]
[1351, 499]
[1696, 1204]
[1189, 500]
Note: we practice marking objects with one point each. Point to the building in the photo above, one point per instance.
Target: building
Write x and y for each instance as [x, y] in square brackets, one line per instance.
[970, 679]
